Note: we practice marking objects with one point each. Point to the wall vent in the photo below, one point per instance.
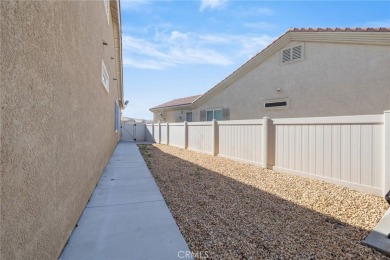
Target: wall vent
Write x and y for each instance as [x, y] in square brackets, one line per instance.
[286, 55]
[292, 54]
[283, 103]
[297, 52]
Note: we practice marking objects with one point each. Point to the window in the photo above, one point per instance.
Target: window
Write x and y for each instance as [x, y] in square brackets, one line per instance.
[217, 114]
[107, 6]
[117, 115]
[105, 78]
[277, 104]
[292, 54]
[214, 114]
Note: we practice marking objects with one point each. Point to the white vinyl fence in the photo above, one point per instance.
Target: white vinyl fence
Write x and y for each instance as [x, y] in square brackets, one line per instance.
[164, 133]
[241, 140]
[352, 151]
[201, 137]
[176, 135]
[149, 134]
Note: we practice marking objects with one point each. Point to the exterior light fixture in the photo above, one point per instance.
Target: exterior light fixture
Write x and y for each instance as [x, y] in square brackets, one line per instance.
[104, 42]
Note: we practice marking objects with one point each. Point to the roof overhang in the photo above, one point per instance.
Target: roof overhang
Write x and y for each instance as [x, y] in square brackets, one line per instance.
[172, 108]
[116, 23]
[357, 37]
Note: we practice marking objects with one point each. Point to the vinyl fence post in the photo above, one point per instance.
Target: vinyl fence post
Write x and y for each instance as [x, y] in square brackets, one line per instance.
[215, 138]
[154, 140]
[167, 133]
[387, 152]
[264, 151]
[159, 133]
[185, 135]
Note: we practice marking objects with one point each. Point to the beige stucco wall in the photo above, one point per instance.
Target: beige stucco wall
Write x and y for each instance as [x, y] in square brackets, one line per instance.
[333, 79]
[57, 120]
[170, 116]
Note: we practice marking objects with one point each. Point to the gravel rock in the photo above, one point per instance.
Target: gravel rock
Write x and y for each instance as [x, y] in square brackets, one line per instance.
[230, 210]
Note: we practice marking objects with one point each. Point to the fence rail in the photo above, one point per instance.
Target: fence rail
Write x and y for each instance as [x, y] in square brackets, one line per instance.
[352, 151]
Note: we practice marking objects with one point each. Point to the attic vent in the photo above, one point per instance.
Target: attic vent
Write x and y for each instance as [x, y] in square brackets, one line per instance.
[292, 54]
[286, 55]
[297, 52]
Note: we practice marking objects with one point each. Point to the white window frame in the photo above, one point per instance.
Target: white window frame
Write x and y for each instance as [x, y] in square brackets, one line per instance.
[291, 54]
[213, 110]
[287, 106]
[107, 8]
[104, 75]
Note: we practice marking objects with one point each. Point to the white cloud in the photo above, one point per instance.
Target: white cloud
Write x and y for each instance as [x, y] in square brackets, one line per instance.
[146, 64]
[212, 4]
[172, 48]
[383, 23]
[259, 25]
[261, 11]
[250, 46]
[213, 39]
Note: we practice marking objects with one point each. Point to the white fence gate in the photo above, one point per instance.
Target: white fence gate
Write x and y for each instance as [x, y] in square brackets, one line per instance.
[133, 131]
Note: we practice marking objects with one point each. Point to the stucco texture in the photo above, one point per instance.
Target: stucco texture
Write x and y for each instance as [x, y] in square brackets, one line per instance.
[170, 116]
[57, 120]
[333, 79]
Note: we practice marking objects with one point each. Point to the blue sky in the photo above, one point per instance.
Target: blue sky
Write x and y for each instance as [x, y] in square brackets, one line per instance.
[174, 49]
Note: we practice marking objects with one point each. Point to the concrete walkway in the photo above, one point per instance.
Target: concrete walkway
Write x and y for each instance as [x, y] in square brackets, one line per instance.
[126, 217]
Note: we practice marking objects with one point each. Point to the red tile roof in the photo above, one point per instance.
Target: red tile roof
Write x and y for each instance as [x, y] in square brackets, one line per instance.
[345, 29]
[178, 102]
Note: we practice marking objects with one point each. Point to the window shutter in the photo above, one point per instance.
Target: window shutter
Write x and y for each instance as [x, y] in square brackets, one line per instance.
[225, 114]
[202, 115]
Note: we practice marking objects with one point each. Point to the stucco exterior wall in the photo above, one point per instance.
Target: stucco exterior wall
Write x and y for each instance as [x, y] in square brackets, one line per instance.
[333, 79]
[57, 120]
[171, 116]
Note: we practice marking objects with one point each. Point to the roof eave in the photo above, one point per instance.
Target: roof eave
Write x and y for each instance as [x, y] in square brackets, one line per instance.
[172, 108]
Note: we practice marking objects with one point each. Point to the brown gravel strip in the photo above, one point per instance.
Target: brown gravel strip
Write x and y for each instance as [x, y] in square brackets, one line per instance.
[231, 210]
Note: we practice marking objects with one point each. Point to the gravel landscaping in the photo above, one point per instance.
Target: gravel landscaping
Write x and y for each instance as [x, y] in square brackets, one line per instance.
[231, 210]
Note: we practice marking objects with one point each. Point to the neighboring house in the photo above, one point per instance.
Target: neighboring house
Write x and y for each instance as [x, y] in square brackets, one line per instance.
[303, 73]
[127, 120]
[177, 110]
[61, 95]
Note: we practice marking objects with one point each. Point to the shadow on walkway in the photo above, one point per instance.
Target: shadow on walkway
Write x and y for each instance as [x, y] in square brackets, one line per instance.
[126, 217]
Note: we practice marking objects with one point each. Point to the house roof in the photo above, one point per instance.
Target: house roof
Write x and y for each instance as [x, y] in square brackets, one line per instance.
[372, 36]
[355, 35]
[345, 29]
[178, 102]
